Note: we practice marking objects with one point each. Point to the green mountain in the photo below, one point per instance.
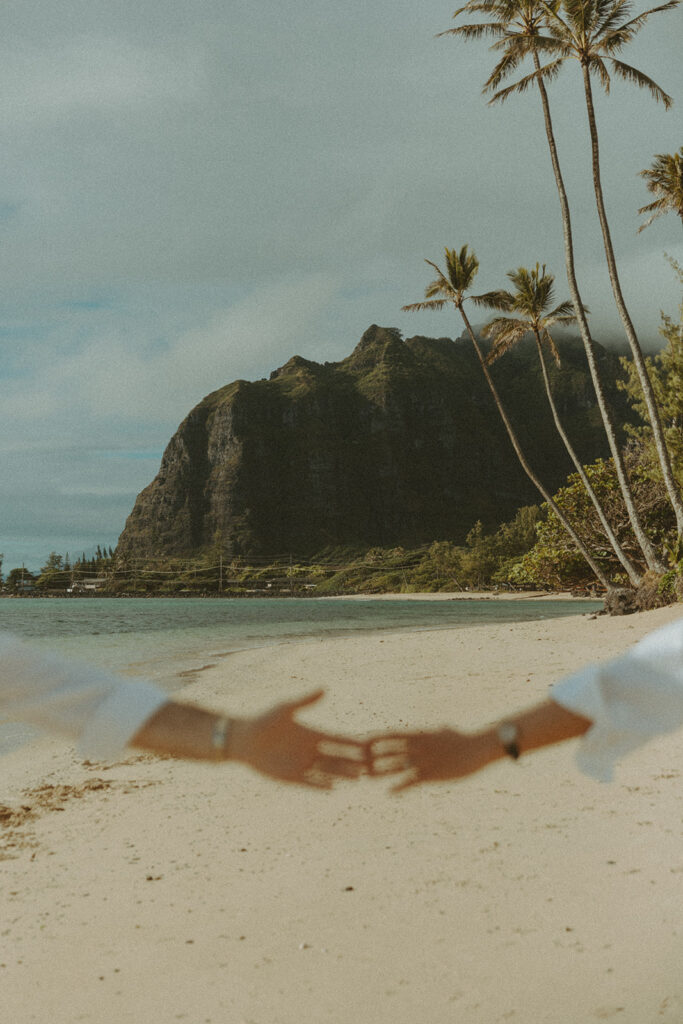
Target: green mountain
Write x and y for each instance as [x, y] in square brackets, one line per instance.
[400, 443]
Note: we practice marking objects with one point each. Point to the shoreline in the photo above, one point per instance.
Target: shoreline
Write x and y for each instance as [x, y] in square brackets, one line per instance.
[209, 893]
[418, 595]
[466, 595]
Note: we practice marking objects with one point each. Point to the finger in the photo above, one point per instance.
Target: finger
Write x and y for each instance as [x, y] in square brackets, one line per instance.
[412, 780]
[340, 767]
[389, 765]
[395, 744]
[348, 749]
[317, 778]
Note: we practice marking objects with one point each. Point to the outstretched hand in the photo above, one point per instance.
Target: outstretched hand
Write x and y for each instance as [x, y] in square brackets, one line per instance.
[430, 756]
[280, 747]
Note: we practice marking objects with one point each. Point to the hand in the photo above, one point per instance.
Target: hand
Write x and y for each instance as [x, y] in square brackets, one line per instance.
[277, 746]
[432, 756]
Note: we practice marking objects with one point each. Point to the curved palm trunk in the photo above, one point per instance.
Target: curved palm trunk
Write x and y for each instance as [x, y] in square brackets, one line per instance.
[643, 376]
[525, 465]
[632, 572]
[641, 536]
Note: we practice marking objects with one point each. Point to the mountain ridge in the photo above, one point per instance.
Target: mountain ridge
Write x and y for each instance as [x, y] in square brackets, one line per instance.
[397, 443]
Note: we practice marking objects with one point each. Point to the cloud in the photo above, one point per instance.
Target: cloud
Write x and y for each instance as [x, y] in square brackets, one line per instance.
[194, 193]
[88, 393]
[69, 77]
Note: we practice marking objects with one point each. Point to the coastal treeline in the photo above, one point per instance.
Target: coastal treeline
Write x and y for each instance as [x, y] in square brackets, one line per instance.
[638, 545]
[483, 561]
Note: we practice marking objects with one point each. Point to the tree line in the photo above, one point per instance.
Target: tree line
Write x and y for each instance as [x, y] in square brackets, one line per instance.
[592, 34]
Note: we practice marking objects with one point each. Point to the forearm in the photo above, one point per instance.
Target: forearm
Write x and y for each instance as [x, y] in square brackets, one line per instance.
[539, 726]
[184, 730]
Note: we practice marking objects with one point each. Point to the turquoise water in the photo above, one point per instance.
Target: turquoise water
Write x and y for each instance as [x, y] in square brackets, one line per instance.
[162, 638]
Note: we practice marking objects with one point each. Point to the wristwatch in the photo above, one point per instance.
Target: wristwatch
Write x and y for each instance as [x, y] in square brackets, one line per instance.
[220, 736]
[508, 735]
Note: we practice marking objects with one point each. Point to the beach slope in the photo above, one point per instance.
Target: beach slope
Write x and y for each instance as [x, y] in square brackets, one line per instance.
[162, 891]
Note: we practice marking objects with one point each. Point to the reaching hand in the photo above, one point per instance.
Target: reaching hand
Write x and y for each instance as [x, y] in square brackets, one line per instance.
[431, 756]
[276, 745]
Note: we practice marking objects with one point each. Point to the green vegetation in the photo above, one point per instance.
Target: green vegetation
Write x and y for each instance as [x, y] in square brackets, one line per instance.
[519, 28]
[451, 287]
[482, 562]
[59, 575]
[552, 561]
[593, 33]
[369, 459]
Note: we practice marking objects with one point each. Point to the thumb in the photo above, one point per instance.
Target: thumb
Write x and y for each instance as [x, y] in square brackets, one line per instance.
[304, 702]
[400, 787]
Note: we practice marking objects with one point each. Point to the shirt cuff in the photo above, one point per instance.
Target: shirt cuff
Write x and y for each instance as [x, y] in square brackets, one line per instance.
[630, 700]
[118, 718]
[581, 694]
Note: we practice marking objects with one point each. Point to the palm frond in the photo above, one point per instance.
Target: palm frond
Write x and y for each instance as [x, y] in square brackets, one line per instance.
[493, 300]
[614, 41]
[430, 304]
[554, 17]
[598, 65]
[608, 14]
[441, 280]
[472, 31]
[564, 321]
[658, 204]
[631, 74]
[637, 23]
[552, 44]
[434, 289]
[665, 180]
[462, 266]
[565, 311]
[658, 208]
[533, 291]
[548, 73]
[505, 66]
[666, 173]
[476, 7]
[506, 332]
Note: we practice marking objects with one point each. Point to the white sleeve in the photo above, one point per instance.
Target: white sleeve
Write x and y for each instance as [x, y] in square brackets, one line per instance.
[96, 708]
[629, 700]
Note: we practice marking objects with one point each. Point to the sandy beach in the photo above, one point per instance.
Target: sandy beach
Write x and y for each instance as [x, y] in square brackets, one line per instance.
[158, 891]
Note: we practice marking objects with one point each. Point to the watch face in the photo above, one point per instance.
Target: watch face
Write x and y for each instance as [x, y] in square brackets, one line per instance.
[507, 733]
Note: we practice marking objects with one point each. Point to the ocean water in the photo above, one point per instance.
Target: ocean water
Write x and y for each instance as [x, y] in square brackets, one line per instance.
[163, 638]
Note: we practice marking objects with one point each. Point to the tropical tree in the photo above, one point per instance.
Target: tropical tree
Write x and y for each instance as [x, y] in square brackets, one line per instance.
[531, 299]
[451, 288]
[665, 180]
[666, 373]
[592, 32]
[518, 27]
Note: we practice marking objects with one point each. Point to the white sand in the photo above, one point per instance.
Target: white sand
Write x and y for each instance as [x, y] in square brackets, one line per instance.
[179, 892]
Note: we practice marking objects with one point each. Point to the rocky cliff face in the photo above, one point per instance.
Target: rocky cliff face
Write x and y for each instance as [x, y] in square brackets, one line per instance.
[400, 443]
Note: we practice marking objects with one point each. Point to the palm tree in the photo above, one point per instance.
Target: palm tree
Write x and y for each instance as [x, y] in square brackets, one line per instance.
[592, 32]
[531, 298]
[665, 180]
[450, 288]
[517, 26]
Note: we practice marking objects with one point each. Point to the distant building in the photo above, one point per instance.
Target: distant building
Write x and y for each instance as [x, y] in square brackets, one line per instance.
[87, 585]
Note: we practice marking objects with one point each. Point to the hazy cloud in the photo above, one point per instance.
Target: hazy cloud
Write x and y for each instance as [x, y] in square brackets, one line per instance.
[191, 193]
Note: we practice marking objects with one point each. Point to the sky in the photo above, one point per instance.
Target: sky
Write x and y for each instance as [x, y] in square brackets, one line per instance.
[193, 191]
